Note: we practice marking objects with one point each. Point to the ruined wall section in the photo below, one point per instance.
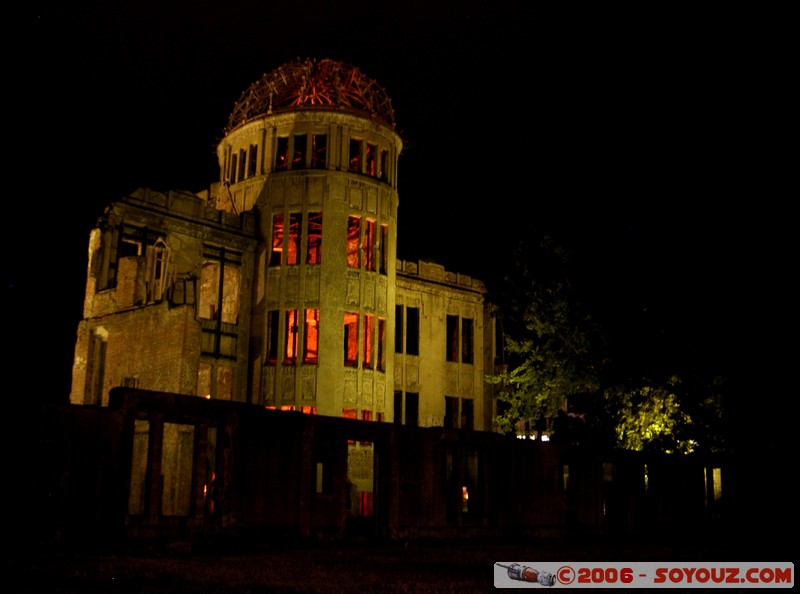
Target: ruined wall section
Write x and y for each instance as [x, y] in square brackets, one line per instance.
[141, 325]
[437, 293]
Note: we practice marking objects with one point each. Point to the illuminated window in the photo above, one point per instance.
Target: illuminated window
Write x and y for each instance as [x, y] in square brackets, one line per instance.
[319, 151]
[381, 362]
[292, 329]
[452, 338]
[282, 154]
[299, 154]
[369, 323]
[353, 237]
[467, 330]
[354, 162]
[252, 162]
[311, 337]
[369, 245]
[349, 413]
[383, 263]
[351, 339]
[371, 160]
[273, 327]
[277, 240]
[295, 237]
[314, 248]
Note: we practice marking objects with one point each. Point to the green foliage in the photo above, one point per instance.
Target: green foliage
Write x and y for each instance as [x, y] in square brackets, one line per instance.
[649, 418]
[548, 340]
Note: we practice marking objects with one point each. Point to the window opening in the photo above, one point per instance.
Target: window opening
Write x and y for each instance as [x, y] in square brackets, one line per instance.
[273, 326]
[252, 163]
[277, 240]
[452, 338]
[353, 236]
[381, 361]
[412, 409]
[300, 147]
[234, 168]
[242, 165]
[412, 331]
[319, 151]
[369, 245]
[176, 469]
[351, 339]
[398, 407]
[354, 163]
[450, 412]
[295, 238]
[369, 322]
[382, 175]
[282, 154]
[311, 337]
[383, 263]
[290, 352]
[371, 160]
[137, 497]
[467, 330]
[467, 414]
[398, 328]
[314, 249]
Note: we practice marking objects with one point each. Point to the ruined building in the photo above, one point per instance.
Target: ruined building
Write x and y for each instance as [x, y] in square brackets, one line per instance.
[280, 285]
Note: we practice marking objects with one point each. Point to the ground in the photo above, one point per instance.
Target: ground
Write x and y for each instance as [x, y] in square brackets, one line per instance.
[418, 566]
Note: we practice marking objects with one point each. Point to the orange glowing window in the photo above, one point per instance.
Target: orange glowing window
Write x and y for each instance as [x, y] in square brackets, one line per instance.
[351, 339]
[369, 323]
[311, 337]
[295, 237]
[292, 329]
[277, 240]
[349, 413]
[353, 237]
[371, 160]
[282, 154]
[314, 248]
[369, 245]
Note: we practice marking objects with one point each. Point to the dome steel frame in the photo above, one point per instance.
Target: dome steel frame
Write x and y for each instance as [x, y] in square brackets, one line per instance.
[312, 84]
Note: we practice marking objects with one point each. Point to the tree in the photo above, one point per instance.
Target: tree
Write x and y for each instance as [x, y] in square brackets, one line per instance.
[550, 345]
[667, 417]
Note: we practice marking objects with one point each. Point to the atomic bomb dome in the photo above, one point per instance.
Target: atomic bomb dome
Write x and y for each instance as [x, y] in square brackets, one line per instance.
[312, 84]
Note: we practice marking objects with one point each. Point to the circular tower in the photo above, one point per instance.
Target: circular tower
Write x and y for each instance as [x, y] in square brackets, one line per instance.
[311, 147]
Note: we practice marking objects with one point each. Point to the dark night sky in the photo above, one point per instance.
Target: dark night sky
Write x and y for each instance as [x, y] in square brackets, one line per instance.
[644, 139]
